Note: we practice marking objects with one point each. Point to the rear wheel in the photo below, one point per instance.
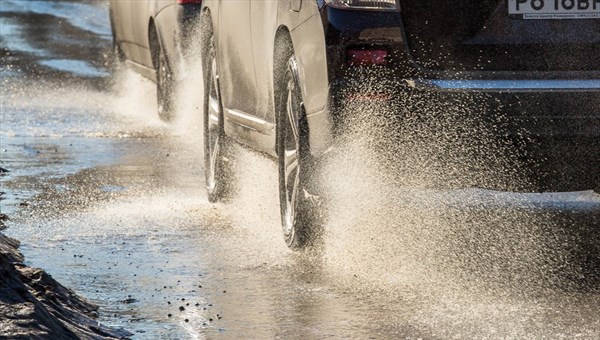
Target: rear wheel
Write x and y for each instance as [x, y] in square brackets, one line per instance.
[296, 171]
[217, 170]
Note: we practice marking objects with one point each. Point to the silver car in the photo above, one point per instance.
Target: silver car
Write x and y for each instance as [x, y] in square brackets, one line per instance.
[151, 36]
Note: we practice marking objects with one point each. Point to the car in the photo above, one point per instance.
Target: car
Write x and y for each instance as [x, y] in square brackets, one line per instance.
[274, 71]
[152, 37]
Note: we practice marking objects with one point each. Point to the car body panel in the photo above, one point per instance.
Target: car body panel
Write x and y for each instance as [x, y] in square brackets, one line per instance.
[246, 66]
[236, 74]
[133, 22]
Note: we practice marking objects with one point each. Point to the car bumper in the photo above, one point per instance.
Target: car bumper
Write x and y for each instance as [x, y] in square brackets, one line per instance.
[555, 129]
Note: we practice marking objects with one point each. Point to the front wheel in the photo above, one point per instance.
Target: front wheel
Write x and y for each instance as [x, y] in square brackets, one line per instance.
[299, 207]
[165, 86]
[217, 166]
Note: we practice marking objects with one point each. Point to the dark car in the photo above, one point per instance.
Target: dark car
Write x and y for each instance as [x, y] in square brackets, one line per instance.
[152, 37]
[275, 69]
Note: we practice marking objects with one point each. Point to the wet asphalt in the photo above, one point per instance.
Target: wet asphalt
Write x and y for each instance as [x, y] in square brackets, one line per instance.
[110, 201]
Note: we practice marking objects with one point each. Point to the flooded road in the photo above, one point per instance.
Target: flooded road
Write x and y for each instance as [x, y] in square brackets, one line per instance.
[110, 201]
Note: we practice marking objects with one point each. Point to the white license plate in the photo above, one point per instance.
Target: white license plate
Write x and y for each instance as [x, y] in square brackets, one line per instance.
[555, 9]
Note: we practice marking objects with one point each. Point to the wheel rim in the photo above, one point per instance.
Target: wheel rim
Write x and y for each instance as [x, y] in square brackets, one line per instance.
[291, 165]
[213, 130]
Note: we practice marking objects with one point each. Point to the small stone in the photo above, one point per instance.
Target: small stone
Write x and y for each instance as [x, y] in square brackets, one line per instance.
[169, 315]
[129, 300]
[187, 320]
[181, 308]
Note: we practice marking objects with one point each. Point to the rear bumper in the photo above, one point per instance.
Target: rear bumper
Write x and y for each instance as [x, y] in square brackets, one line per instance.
[509, 85]
[549, 108]
[546, 108]
[552, 131]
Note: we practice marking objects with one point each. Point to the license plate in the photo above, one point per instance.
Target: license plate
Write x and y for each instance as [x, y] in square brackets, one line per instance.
[554, 9]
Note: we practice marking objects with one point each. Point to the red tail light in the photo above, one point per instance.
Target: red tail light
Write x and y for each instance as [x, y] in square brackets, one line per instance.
[367, 57]
[185, 2]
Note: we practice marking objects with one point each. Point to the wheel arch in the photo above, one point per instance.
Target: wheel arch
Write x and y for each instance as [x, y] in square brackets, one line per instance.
[283, 49]
[307, 42]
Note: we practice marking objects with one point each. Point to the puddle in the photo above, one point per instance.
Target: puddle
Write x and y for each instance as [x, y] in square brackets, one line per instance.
[91, 16]
[77, 67]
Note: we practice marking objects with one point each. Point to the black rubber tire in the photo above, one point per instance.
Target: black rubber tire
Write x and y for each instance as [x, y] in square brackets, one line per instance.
[300, 230]
[165, 85]
[218, 187]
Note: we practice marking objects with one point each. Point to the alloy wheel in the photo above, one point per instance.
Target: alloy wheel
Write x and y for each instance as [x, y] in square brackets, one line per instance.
[212, 131]
[291, 164]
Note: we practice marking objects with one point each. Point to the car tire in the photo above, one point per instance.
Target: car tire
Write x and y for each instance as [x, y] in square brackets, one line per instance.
[299, 208]
[217, 163]
[165, 85]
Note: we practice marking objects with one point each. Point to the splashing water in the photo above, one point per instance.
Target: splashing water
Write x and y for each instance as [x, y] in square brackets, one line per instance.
[405, 230]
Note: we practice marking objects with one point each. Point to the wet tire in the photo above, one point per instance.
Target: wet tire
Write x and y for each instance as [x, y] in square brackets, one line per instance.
[165, 86]
[298, 205]
[217, 164]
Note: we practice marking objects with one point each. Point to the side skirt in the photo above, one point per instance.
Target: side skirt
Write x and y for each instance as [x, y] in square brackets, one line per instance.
[145, 71]
[250, 131]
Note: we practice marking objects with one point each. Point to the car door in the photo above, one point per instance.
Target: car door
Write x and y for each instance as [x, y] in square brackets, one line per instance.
[264, 24]
[236, 73]
[139, 22]
[121, 16]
